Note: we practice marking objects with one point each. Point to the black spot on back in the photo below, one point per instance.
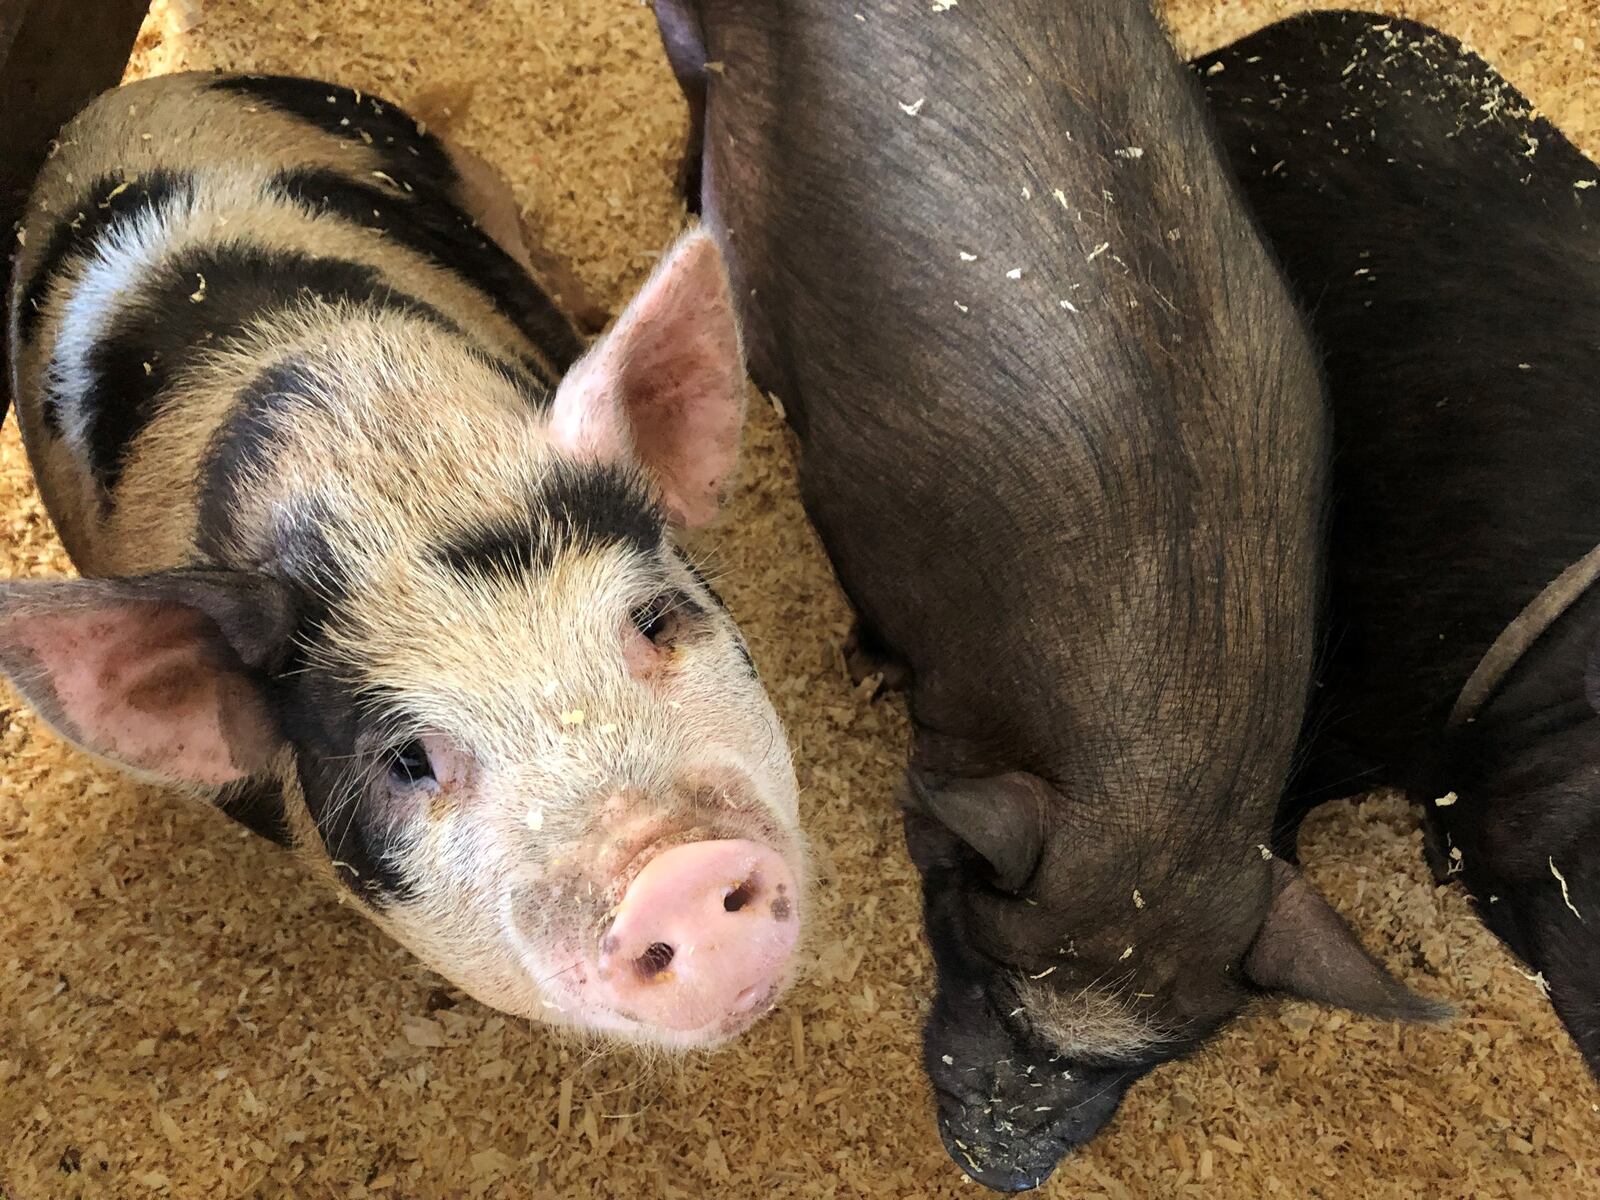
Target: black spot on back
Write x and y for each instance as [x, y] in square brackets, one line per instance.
[431, 225]
[111, 204]
[389, 130]
[299, 548]
[243, 445]
[575, 509]
[175, 322]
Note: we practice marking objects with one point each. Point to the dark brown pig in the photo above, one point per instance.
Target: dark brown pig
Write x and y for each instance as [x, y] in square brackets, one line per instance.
[1449, 239]
[1063, 438]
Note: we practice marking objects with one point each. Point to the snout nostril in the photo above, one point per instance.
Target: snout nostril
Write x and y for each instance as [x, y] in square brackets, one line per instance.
[740, 896]
[656, 958]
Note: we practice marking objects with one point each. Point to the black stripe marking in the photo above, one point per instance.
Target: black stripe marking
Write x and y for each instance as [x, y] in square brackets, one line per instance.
[432, 226]
[331, 726]
[174, 321]
[392, 133]
[111, 204]
[257, 804]
[576, 509]
[244, 446]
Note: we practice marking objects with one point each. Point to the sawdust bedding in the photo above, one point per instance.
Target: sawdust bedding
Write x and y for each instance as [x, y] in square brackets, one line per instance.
[183, 1013]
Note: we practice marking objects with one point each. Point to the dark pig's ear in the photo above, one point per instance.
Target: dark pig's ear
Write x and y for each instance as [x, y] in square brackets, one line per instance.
[666, 385]
[1305, 949]
[1002, 817]
[161, 673]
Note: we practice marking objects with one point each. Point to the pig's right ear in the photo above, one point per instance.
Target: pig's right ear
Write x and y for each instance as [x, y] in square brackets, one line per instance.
[666, 384]
[1305, 949]
[162, 673]
[1002, 817]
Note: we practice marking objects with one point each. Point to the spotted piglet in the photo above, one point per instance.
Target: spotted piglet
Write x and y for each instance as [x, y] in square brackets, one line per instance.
[379, 560]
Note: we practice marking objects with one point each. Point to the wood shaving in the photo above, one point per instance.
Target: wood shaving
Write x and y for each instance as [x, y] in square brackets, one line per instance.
[1566, 897]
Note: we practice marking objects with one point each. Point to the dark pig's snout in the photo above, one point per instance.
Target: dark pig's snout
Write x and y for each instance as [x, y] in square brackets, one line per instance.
[1008, 1124]
[1010, 1106]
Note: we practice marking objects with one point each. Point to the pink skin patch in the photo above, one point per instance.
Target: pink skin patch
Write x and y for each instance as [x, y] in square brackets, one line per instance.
[666, 385]
[703, 937]
[642, 656]
[693, 929]
[148, 686]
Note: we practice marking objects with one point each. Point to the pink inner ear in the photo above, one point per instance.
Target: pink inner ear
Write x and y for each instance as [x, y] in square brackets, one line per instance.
[667, 384]
[148, 686]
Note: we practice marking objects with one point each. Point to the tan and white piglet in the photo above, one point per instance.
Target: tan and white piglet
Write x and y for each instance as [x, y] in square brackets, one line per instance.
[379, 559]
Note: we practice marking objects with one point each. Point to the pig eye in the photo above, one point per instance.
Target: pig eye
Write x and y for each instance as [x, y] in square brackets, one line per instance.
[654, 619]
[409, 764]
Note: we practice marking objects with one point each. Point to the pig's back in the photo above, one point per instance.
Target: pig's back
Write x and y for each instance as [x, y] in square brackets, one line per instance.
[1445, 242]
[1044, 374]
[185, 233]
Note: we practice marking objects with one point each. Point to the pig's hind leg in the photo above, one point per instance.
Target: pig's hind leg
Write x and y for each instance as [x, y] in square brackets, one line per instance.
[679, 24]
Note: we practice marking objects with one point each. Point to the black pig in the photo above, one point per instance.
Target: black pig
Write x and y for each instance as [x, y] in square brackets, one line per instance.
[1063, 439]
[1447, 239]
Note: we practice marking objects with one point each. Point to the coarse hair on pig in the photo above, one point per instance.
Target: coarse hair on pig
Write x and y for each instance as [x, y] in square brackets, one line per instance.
[386, 563]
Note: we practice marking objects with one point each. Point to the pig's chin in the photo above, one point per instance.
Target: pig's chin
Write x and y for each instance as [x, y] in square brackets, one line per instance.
[707, 1037]
[1013, 1173]
[574, 1006]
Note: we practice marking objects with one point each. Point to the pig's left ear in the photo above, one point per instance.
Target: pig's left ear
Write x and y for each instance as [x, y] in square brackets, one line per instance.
[1002, 817]
[162, 673]
[1305, 949]
[666, 384]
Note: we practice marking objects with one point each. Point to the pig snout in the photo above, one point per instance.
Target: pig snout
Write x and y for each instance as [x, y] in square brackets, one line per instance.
[1012, 1138]
[702, 938]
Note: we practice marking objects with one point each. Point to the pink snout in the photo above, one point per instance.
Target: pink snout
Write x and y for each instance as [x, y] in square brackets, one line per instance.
[703, 935]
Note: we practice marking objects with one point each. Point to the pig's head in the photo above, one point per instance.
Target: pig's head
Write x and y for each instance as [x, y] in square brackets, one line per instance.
[1071, 962]
[501, 706]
